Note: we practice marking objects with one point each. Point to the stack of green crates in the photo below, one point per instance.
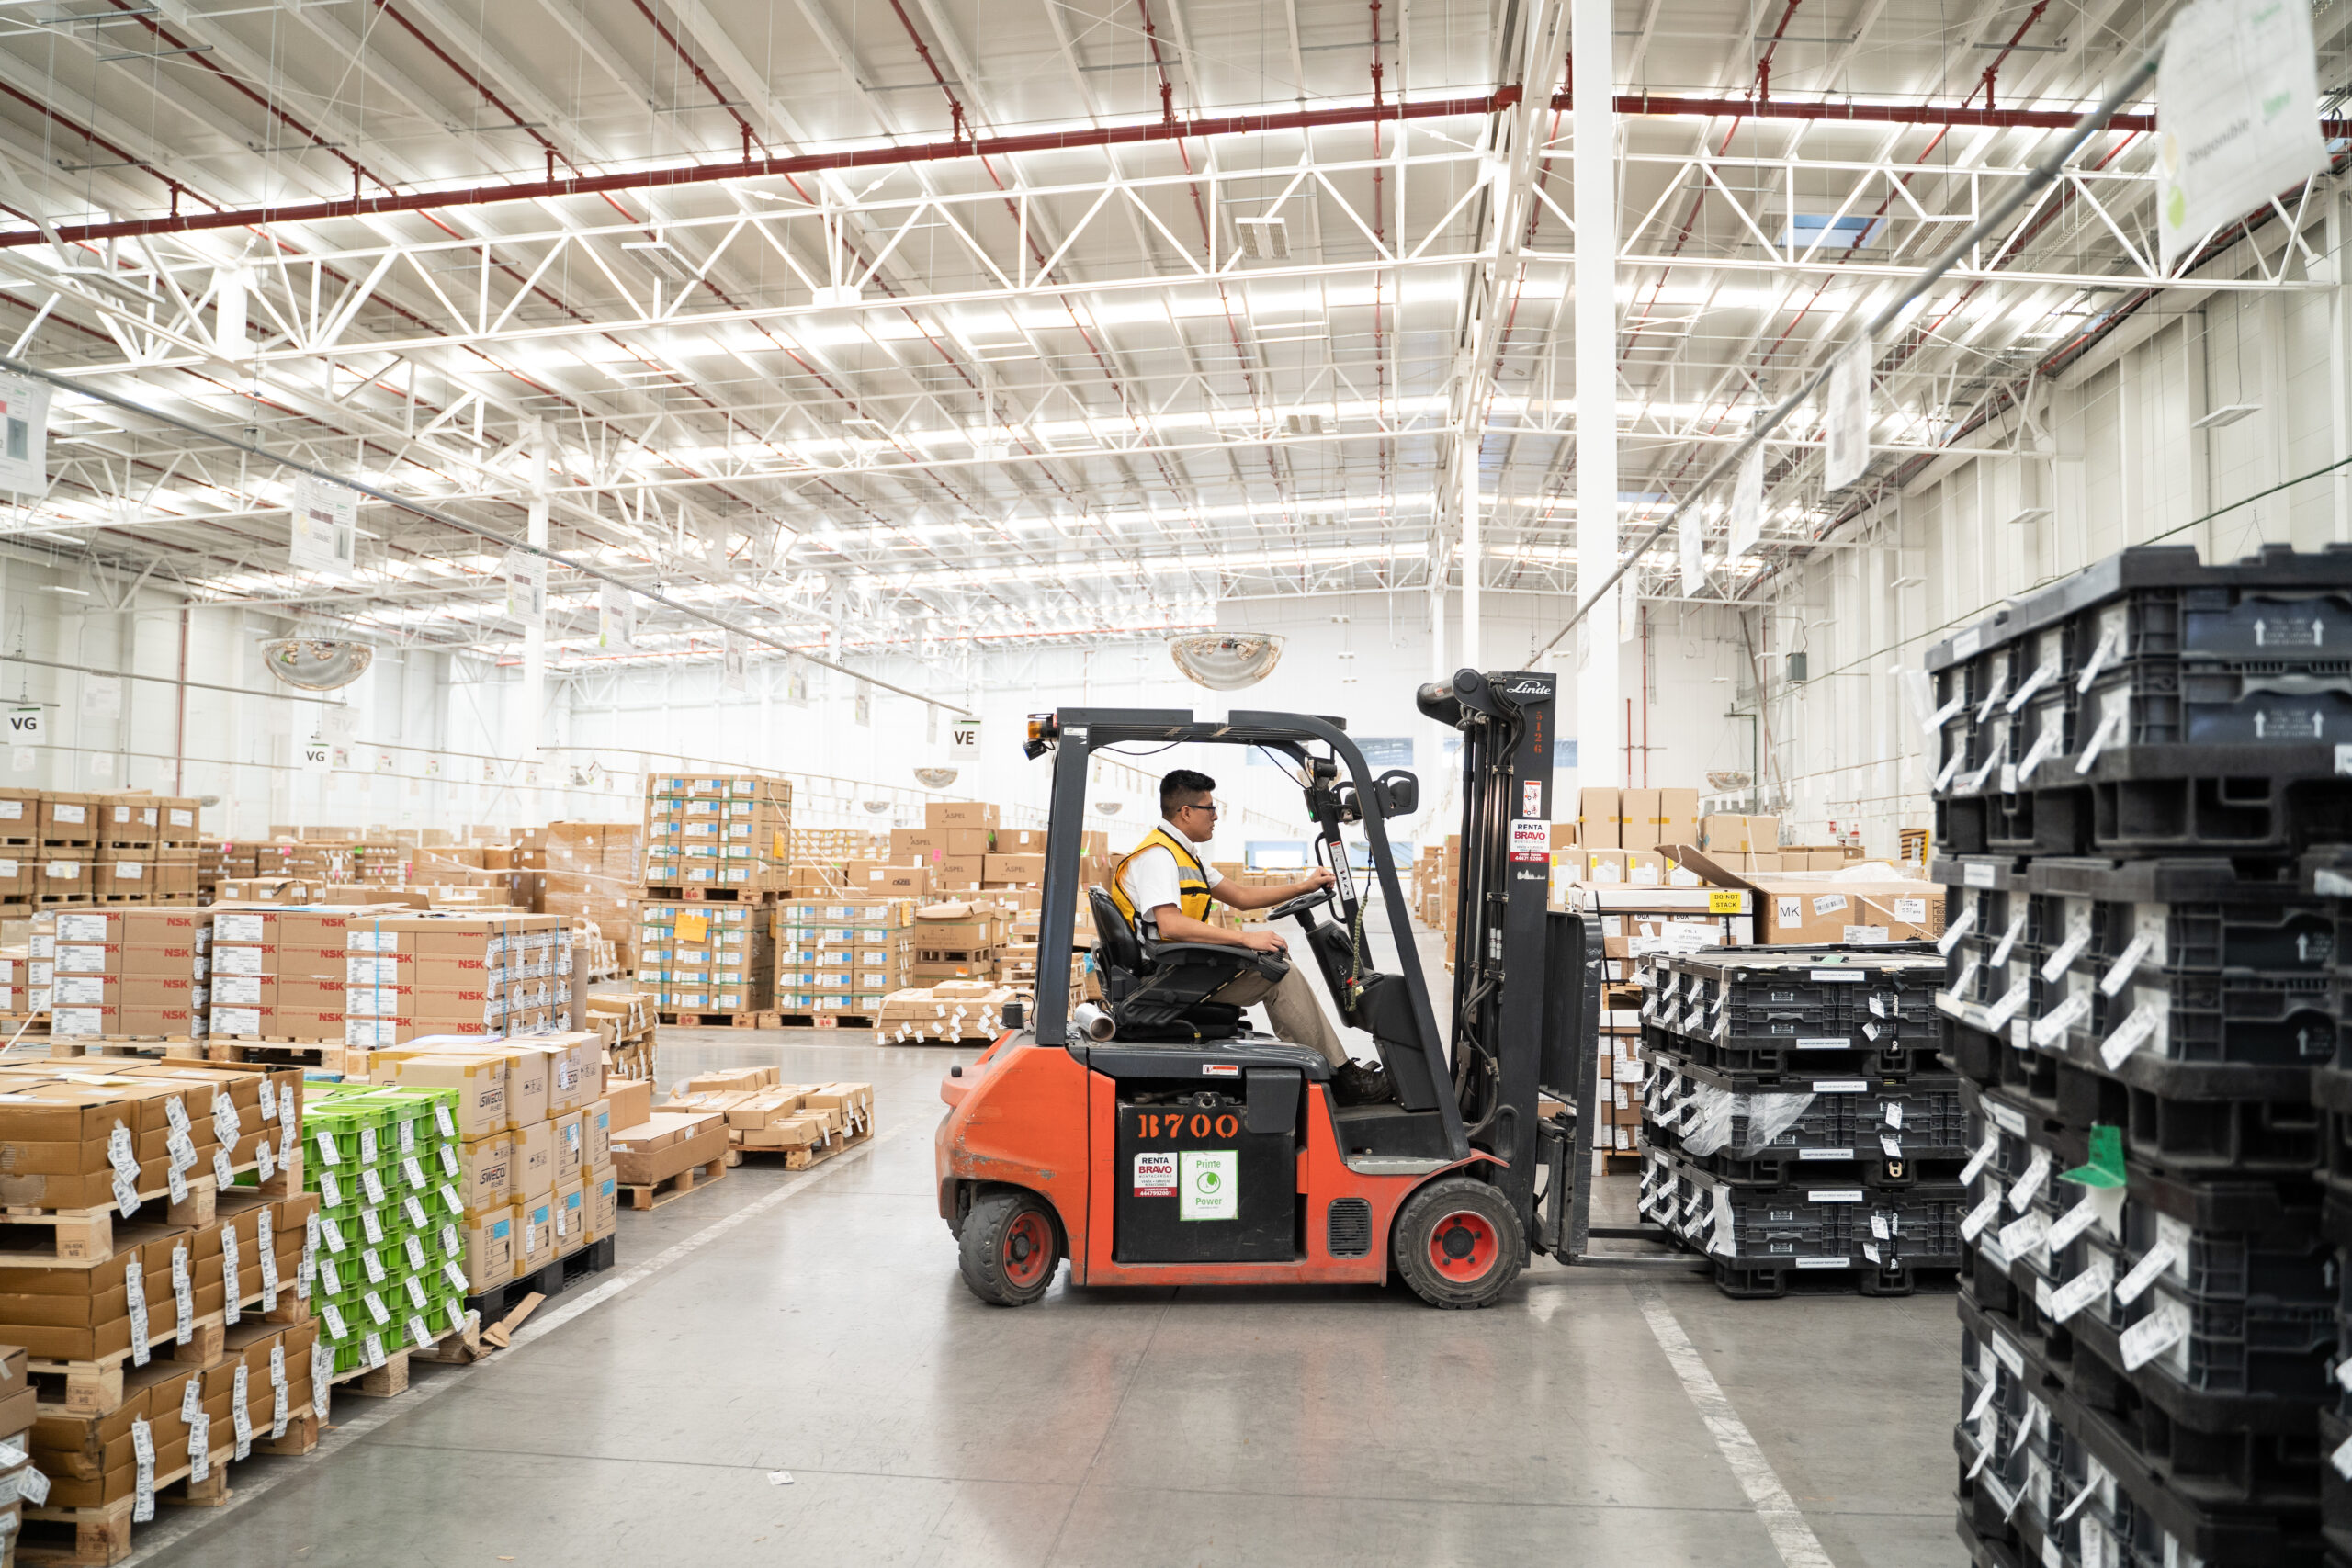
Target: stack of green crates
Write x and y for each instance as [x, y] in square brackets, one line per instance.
[390, 1259]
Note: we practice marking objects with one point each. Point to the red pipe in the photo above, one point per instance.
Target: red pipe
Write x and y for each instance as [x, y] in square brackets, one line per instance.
[768, 168]
[1638, 105]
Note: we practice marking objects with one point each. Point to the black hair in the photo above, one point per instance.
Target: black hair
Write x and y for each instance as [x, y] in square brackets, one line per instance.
[1183, 782]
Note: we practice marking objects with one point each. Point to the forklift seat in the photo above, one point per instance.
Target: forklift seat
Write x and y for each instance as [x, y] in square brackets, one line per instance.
[1160, 990]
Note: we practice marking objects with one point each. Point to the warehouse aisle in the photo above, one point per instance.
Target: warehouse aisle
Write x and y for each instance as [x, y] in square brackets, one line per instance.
[825, 1335]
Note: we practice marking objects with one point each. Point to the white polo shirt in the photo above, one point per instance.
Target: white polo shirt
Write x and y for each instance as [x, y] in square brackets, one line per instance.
[1150, 878]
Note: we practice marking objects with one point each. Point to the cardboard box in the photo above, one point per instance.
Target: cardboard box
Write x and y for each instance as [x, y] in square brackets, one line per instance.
[571, 1146]
[940, 814]
[1637, 819]
[486, 1173]
[1720, 834]
[479, 1081]
[490, 1248]
[570, 1211]
[965, 841]
[631, 1100]
[596, 1134]
[1677, 813]
[1810, 909]
[534, 1232]
[603, 1202]
[666, 1143]
[1596, 827]
[1604, 865]
[534, 1160]
[1013, 869]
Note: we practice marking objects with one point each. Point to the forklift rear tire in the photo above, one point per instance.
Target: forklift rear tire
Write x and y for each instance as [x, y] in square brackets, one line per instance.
[1458, 1243]
[1010, 1247]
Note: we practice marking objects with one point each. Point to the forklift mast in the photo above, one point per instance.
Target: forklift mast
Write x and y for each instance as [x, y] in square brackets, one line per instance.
[1502, 969]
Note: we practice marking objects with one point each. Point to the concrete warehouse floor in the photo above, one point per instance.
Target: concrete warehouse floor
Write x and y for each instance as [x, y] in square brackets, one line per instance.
[813, 1327]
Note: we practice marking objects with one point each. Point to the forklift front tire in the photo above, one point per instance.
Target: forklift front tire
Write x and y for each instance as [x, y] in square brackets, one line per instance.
[1458, 1243]
[1010, 1247]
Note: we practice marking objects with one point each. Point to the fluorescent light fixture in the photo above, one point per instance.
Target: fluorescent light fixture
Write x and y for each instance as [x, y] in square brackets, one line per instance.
[2027, 515]
[2228, 413]
[61, 588]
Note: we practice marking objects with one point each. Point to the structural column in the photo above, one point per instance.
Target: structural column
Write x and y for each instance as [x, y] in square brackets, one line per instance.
[1473, 650]
[534, 629]
[1600, 760]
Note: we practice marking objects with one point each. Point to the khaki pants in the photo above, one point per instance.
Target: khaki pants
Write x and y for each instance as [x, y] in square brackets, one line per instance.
[1292, 1011]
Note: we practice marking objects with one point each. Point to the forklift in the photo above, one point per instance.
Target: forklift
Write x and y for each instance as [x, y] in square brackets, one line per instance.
[1154, 1138]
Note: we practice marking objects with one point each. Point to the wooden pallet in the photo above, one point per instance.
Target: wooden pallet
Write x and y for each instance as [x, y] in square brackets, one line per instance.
[275, 1051]
[655, 1194]
[83, 1238]
[800, 1159]
[671, 893]
[720, 1019]
[826, 1020]
[391, 1379]
[95, 1388]
[101, 1535]
[181, 1046]
[302, 1434]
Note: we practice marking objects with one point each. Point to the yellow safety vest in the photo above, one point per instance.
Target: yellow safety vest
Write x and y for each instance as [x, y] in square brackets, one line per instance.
[1191, 878]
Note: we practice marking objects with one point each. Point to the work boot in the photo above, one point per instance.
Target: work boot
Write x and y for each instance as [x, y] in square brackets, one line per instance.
[1362, 1083]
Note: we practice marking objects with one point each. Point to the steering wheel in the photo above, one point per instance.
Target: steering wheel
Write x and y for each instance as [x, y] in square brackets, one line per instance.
[1299, 905]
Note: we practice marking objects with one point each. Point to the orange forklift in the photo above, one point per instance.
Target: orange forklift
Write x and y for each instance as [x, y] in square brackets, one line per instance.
[1154, 1138]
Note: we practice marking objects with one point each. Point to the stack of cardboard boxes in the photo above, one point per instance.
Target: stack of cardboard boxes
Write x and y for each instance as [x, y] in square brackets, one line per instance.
[163, 1280]
[762, 1114]
[408, 976]
[840, 956]
[954, 845]
[957, 940]
[947, 1012]
[1621, 832]
[699, 957]
[146, 848]
[593, 872]
[130, 973]
[67, 843]
[718, 831]
[530, 1163]
[277, 974]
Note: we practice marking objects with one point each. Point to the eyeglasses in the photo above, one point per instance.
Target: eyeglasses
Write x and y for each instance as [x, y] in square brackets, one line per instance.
[1202, 806]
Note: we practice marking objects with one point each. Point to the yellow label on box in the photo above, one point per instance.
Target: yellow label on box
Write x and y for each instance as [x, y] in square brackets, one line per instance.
[783, 851]
[692, 926]
[1725, 902]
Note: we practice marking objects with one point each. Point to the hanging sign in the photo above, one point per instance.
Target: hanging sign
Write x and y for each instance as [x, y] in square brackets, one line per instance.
[1848, 452]
[325, 536]
[2237, 115]
[963, 738]
[24, 435]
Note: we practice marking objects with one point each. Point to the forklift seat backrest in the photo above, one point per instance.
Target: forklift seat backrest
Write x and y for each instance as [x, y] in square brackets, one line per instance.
[1121, 950]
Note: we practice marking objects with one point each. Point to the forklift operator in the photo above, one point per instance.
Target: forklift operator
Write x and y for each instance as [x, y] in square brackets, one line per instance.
[1163, 889]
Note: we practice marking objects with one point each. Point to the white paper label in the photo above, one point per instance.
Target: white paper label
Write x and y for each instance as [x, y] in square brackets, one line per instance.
[2036, 1168]
[2153, 1335]
[2085, 1288]
[2146, 1273]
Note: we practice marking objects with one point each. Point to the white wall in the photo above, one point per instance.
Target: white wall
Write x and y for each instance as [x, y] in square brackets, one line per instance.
[2112, 453]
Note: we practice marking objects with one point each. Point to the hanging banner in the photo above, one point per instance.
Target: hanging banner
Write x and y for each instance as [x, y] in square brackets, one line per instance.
[433, 767]
[24, 437]
[2237, 115]
[862, 704]
[22, 759]
[325, 536]
[617, 619]
[1692, 536]
[1848, 417]
[25, 726]
[339, 722]
[1748, 503]
[526, 587]
[315, 755]
[964, 739]
[735, 663]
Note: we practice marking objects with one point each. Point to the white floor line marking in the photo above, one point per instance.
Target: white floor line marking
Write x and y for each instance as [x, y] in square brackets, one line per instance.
[170, 1531]
[1792, 1537]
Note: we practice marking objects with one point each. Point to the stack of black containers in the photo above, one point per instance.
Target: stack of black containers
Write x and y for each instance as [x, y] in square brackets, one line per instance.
[1799, 1125]
[2137, 770]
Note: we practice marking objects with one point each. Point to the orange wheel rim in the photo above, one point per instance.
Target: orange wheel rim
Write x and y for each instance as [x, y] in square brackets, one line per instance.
[1028, 1249]
[1464, 1246]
